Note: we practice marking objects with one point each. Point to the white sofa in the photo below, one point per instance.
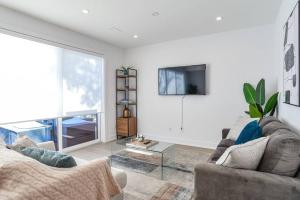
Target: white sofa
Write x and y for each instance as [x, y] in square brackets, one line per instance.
[119, 175]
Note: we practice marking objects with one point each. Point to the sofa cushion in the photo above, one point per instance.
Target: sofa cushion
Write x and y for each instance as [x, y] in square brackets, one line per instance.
[239, 125]
[251, 132]
[226, 143]
[264, 121]
[221, 148]
[47, 157]
[24, 141]
[244, 156]
[282, 154]
[273, 126]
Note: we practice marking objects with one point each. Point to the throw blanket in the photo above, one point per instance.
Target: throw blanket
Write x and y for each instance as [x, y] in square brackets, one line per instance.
[23, 178]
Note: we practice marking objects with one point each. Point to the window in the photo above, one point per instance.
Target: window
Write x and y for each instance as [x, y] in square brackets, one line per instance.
[79, 129]
[40, 81]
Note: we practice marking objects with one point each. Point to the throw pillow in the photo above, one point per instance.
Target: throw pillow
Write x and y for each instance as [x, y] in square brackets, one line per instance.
[47, 157]
[237, 128]
[244, 156]
[273, 126]
[264, 121]
[221, 148]
[24, 141]
[251, 131]
[282, 154]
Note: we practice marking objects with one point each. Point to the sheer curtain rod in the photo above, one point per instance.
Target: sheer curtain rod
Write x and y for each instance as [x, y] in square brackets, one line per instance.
[50, 41]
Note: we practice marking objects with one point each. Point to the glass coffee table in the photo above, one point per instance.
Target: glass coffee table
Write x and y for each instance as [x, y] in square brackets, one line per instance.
[161, 154]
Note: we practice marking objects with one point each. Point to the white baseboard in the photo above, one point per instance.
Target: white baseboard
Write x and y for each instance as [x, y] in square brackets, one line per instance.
[189, 142]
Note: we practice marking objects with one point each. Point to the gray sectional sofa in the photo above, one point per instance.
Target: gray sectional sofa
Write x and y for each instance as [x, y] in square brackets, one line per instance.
[276, 178]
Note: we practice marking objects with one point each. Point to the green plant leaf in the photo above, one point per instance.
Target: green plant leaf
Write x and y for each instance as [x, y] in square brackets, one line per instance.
[247, 112]
[260, 92]
[271, 103]
[259, 108]
[254, 112]
[273, 110]
[249, 93]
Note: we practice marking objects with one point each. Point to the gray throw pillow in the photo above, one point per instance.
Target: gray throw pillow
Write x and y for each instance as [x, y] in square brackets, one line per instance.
[221, 148]
[264, 121]
[272, 127]
[47, 157]
[282, 154]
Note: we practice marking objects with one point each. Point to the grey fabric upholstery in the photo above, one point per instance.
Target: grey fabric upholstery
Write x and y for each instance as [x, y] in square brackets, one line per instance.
[273, 126]
[221, 148]
[267, 120]
[226, 143]
[213, 182]
[282, 154]
[225, 132]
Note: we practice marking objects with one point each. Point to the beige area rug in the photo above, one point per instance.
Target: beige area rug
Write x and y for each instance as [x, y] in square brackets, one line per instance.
[142, 187]
[172, 192]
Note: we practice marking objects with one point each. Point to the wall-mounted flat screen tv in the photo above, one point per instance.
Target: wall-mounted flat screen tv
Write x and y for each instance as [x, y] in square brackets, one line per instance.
[182, 80]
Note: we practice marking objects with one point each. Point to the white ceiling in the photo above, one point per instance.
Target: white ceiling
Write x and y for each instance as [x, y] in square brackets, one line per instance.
[116, 21]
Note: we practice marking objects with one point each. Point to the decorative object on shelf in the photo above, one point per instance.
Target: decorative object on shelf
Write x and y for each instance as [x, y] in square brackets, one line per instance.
[125, 70]
[126, 112]
[126, 102]
[256, 100]
[291, 71]
[140, 138]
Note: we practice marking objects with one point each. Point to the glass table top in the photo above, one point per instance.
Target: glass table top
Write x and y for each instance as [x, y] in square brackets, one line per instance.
[160, 147]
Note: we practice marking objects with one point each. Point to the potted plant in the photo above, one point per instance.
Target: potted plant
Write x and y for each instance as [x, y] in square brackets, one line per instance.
[256, 100]
[125, 70]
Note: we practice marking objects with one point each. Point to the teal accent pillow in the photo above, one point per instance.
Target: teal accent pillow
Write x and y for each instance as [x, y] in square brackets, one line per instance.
[251, 131]
[47, 157]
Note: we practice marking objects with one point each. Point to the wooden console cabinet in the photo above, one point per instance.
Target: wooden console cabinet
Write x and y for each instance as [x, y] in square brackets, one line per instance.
[126, 126]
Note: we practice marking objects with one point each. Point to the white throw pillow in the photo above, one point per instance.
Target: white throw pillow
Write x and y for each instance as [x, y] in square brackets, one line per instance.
[237, 128]
[244, 156]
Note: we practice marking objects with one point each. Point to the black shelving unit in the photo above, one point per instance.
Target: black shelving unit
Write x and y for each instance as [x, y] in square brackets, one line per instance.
[126, 96]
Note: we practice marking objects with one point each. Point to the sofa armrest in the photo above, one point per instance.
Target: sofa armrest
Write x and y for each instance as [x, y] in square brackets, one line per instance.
[217, 182]
[225, 132]
[47, 145]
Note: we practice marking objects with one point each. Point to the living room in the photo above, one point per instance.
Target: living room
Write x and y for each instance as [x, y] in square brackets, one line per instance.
[163, 100]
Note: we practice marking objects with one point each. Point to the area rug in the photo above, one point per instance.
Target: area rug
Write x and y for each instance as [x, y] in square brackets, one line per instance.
[171, 191]
[133, 164]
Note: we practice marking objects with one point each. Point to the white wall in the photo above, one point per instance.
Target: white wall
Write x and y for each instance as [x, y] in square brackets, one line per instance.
[232, 58]
[289, 114]
[113, 56]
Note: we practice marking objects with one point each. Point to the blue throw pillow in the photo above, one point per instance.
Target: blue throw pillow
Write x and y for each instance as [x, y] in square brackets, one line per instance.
[251, 131]
[47, 157]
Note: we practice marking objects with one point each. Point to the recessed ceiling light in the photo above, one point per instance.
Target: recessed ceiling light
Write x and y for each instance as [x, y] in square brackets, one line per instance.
[155, 14]
[85, 11]
[135, 36]
[219, 18]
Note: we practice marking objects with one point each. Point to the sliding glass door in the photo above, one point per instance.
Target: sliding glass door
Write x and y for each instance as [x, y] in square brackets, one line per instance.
[49, 93]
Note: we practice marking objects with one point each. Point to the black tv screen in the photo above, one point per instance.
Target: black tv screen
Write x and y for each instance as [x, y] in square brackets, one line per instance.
[183, 80]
